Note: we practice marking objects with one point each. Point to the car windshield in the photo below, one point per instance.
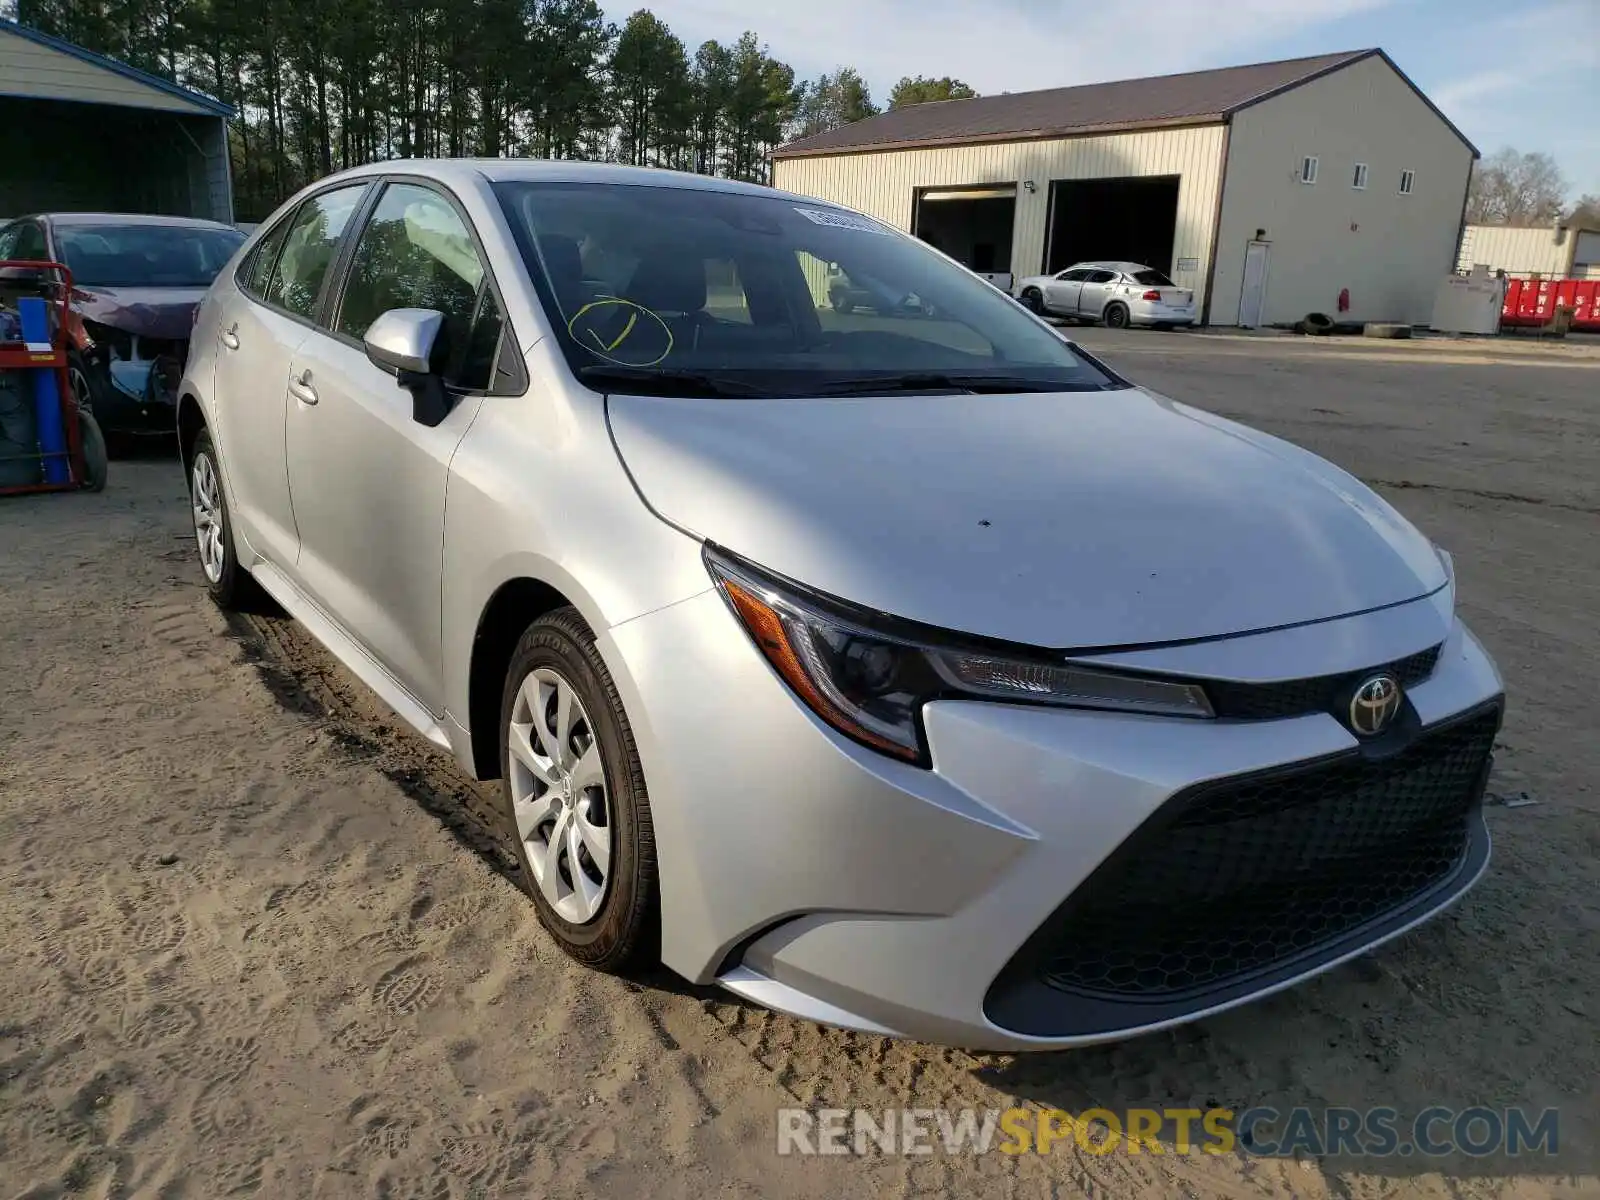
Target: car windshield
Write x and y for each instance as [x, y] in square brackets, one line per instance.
[673, 291]
[145, 255]
[1152, 279]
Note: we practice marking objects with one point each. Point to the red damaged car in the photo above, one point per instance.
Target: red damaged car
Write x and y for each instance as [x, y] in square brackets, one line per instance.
[136, 283]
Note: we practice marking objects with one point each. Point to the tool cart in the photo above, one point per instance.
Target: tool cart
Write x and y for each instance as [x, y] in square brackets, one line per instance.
[47, 444]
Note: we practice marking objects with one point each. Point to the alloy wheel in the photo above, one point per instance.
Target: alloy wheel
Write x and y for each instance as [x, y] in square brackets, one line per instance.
[559, 796]
[82, 394]
[206, 499]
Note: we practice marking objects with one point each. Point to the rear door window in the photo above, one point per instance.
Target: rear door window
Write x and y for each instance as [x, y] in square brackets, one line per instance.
[257, 269]
[309, 249]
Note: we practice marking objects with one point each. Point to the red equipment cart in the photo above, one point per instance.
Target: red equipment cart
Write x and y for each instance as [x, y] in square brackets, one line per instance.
[85, 449]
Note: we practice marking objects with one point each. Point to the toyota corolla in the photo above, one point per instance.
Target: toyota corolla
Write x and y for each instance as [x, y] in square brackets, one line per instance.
[911, 672]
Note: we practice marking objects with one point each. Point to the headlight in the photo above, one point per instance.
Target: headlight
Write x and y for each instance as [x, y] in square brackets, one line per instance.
[113, 342]
[1446, 561]
[871, 684]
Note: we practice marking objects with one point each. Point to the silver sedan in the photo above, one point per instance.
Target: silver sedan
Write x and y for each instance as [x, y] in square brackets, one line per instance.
[1118, 293]
[916, 673]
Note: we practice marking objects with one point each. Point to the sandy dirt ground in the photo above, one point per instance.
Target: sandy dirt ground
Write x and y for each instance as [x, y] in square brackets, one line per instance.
[258, 941]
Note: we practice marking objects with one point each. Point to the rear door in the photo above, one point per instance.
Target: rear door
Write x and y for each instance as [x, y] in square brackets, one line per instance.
[368, 482]
[1096, 293]
[264, 318]
[1061, 293]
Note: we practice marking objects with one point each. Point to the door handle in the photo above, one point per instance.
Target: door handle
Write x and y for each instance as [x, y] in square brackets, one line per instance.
[230, 336]
[302, 390]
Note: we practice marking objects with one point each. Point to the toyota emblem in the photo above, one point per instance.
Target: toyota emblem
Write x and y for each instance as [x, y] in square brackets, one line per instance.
[1375, 705]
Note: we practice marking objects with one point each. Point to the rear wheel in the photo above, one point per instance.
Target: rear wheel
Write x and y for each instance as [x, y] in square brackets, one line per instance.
[230, 584]
[574, 798]
[1116, 316]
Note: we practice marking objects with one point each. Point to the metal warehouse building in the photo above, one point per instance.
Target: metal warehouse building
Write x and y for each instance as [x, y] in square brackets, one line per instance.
[82, 132]
[1557, 251]
[1269, 189]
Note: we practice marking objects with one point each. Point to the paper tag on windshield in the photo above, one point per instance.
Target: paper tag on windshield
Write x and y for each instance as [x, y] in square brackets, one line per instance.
[840, 220]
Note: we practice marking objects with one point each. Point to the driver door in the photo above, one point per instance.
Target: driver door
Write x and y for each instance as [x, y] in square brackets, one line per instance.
[366, 480]
[1061, 293]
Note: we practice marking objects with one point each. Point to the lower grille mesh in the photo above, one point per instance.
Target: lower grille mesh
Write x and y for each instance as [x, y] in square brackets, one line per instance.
[1236, 876]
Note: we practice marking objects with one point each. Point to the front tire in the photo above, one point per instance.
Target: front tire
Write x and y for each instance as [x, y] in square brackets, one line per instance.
[573, 798]
[1116, 316]
[1033, 301]
[81, 379]
[96, 461]
[230, 584]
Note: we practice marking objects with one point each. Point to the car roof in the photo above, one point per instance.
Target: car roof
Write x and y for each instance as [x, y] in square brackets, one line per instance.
[539, 170]
[109, 218]
[1126, 268]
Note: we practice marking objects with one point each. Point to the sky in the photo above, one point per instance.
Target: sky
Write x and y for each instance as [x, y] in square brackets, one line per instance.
[1523, 73]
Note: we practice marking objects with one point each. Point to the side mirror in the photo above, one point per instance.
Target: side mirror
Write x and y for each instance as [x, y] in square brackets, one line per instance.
[401, 342]
[29, 275]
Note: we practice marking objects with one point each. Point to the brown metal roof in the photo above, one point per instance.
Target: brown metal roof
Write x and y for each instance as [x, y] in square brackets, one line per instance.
[1197, 97]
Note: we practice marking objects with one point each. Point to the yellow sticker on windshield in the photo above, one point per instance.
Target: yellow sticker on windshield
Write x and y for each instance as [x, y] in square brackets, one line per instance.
[621, 331]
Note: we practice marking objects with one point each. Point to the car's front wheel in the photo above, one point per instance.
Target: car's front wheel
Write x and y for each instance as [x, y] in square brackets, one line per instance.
[1033, 301]
[574, 797]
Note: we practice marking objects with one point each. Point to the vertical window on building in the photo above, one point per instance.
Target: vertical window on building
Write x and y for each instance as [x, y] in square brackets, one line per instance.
[1407, 178]
[1360, 181]
[1308, 169]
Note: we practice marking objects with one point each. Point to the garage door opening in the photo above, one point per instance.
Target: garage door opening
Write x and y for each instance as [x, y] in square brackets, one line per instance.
[1128, 220]
[972, 225]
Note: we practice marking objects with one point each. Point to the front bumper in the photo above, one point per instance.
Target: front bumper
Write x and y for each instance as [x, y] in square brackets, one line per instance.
[135, 384]
[814, 876]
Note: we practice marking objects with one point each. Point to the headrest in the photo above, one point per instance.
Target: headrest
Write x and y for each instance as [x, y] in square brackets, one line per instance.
[673, 283]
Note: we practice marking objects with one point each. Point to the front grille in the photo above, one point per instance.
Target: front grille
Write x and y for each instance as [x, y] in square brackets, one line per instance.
[1236, 877]
[1297, 697]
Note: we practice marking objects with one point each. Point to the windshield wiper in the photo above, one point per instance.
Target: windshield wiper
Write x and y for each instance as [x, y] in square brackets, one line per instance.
[670, 381]
[935, 381]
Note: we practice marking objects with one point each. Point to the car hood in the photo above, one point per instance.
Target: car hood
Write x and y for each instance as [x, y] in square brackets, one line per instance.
[1076, 520]
[156, 312]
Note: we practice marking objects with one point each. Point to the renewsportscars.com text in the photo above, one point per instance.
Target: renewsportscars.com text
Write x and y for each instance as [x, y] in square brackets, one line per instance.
[1268, 1132]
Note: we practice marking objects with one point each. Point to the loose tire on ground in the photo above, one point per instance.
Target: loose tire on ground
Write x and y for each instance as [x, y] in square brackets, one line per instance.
[1385, 329]
[623, 930]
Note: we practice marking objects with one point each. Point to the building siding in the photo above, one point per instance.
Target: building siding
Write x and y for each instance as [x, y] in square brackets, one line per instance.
[1389, 250]
[884, 184]
[1520, 249]
[31, 70]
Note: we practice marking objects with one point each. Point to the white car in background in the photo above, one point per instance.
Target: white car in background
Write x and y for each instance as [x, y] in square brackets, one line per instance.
[1118, 293]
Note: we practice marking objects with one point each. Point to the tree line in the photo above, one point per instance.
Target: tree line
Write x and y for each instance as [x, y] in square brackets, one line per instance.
[319, 85]
[1512, 188]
